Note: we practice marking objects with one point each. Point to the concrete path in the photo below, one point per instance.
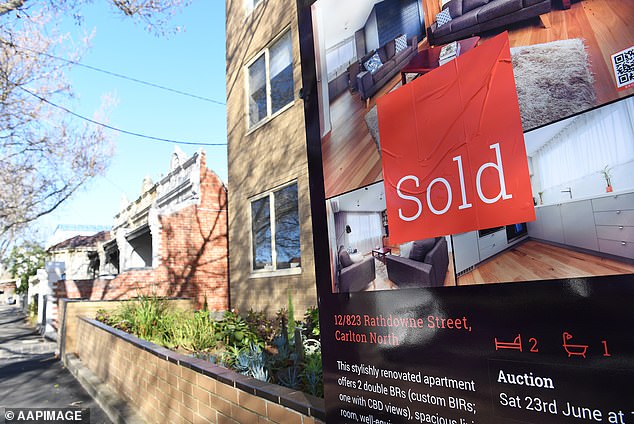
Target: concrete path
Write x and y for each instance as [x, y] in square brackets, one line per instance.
[31, 376]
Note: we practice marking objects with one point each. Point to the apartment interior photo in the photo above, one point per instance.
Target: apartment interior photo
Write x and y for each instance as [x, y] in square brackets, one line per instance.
[363, 257]
[347, 34]
[582, 177]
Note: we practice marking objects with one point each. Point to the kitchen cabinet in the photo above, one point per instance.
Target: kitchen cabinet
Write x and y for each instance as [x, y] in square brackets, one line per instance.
[577, 219]
[535, 227]
[491, 244]
[614, 219]
[465, 250]
[551, 226]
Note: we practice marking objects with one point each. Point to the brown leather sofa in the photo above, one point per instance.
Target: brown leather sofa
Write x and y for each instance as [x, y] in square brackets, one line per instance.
[368, 83]
[426, 265]
[471, 17]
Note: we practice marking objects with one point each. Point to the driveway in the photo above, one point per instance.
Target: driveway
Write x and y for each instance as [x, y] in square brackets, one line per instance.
[31, 376]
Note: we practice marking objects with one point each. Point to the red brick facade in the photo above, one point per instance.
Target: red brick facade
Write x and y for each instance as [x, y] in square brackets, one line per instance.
[193, 256]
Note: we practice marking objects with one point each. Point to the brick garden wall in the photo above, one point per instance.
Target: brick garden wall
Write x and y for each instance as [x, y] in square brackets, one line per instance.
[166, 387]
[194, 256]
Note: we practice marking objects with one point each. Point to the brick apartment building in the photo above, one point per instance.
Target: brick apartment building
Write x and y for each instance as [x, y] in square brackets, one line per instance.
[270, 230]
[170, 241]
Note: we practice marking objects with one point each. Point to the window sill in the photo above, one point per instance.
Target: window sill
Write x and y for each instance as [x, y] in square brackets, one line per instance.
[268, 119]
[278, 273]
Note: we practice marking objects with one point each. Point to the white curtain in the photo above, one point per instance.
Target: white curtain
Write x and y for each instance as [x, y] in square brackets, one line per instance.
[602, 137]
[366, 231]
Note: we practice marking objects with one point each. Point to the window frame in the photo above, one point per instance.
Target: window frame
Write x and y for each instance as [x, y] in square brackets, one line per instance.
[269, 107]
[263, 273]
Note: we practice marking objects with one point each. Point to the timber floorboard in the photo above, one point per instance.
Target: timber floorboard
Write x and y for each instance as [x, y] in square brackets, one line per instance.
[533, 260]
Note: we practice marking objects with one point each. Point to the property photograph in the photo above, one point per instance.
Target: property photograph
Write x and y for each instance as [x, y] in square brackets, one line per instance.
[582, 177]
[561, 50]
[364, 259]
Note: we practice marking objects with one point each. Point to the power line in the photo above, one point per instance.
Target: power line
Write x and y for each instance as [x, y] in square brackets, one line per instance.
[104, 71]
[110, 127]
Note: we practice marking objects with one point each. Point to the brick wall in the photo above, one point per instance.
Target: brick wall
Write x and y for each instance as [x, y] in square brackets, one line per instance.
[166, 387]
[193, 256]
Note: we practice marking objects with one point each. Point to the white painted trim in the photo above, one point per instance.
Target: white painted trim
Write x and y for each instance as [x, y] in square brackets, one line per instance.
[245, 71]
[278, 273]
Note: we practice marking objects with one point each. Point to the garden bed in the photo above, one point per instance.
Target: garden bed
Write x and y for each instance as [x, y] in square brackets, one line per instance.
[167, 386]
[280, 351]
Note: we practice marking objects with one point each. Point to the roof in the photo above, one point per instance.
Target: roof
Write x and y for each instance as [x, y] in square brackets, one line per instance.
[82, 241]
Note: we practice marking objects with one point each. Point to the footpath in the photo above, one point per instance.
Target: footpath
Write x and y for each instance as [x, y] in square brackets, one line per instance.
[31, 375]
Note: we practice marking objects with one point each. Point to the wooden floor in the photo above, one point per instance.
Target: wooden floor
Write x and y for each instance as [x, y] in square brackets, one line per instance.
[350, 156]
[532, 260]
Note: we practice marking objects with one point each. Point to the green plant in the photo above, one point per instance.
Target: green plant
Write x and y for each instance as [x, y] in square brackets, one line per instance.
[607, 174]
[193, 332]
[290, 377]
[260, 325]
[147, 317]
[232, 330]
[250, 361]
[291, 318]
[313, 377]
[23, 263]
[310, 325]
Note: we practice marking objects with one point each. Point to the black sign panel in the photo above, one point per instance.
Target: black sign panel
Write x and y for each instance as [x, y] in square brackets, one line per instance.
[555, 351]
[472, 350]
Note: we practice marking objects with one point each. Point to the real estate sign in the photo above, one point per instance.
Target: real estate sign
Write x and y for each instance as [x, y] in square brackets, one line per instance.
[473, 208]
[453, 150]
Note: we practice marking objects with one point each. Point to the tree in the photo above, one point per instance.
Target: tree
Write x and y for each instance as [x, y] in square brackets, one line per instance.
[46, 153]
[23, 263]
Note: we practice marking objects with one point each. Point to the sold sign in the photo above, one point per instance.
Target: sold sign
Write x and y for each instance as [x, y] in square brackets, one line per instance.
[453, 150]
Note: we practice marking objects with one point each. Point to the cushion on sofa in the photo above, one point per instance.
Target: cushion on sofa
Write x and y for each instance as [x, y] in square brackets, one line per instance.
[390, 49]
[443, 18]
[344, 259]
[528, 3]
[497, 8]
[400, 43]
[420, 249]
[373, 63]
[468, 5]
[386, 70]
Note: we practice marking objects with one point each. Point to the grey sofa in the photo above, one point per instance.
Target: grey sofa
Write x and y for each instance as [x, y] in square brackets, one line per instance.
[368, 83]
[426, 265]
[471, 17]
[354, 276]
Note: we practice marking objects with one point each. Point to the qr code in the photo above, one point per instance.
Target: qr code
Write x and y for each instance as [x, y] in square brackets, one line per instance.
[623, 64]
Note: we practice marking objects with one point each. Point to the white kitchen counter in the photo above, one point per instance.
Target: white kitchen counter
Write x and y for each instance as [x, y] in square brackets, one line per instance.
[579, 199]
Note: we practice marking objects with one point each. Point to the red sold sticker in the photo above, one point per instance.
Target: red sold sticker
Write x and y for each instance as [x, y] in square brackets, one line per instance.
[453, 150]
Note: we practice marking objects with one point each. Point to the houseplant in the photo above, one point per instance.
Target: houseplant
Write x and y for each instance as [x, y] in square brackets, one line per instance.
[607, 174]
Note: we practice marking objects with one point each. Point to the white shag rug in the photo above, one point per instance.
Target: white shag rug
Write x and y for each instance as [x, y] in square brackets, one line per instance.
[553, 81]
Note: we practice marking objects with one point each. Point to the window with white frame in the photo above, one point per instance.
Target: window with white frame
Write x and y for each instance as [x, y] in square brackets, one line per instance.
[339, 56]
[275, 230]
[270, 80]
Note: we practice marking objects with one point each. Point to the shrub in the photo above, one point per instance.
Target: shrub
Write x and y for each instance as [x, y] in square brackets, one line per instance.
[193, 332]
[255, 346]
[232, 330]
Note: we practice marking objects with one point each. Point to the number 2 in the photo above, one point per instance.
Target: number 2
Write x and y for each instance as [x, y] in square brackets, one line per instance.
[533, 340]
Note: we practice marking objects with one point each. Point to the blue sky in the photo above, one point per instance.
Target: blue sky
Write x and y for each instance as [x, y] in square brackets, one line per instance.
[192, 61]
